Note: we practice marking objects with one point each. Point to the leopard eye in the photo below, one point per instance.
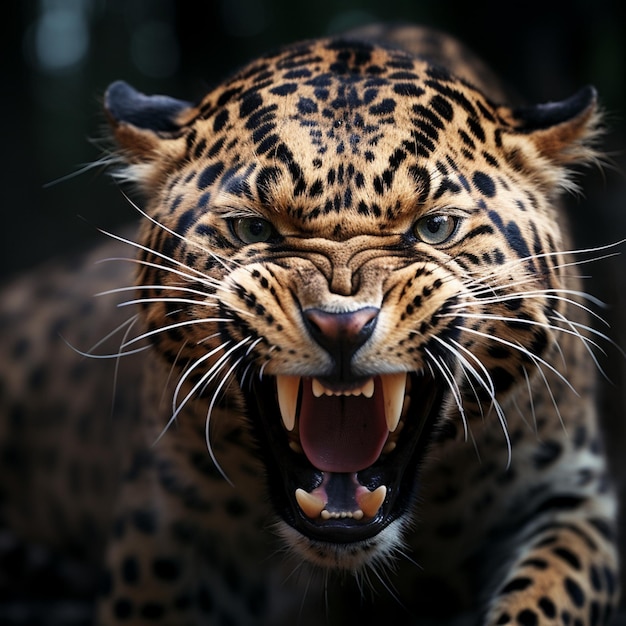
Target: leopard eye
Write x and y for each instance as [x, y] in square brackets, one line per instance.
[253, 229]
[435, 229]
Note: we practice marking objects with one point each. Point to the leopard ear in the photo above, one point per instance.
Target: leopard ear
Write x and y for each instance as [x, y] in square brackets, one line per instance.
[564, 132]
[140, 123]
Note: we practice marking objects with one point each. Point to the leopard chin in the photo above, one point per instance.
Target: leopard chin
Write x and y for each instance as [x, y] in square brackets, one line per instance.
[342, 459]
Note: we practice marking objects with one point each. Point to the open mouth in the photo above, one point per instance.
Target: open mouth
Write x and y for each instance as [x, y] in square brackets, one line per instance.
[342, 459]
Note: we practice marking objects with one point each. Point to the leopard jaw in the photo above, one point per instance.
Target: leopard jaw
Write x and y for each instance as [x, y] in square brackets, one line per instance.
[313, 504]
[340, 449]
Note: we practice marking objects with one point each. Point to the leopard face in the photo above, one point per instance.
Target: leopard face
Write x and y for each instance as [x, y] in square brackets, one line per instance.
[362, 253]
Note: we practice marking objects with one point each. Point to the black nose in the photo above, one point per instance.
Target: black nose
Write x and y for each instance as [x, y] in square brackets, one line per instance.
[341, 334]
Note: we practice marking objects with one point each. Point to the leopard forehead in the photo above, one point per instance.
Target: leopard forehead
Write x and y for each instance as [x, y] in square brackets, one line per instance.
[340, 129]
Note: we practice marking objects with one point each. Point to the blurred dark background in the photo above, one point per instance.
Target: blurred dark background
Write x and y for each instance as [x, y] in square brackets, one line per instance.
[58, 56]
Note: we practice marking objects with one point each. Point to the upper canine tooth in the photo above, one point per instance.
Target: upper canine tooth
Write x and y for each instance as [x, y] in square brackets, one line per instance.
[394, 386]
[287, 388]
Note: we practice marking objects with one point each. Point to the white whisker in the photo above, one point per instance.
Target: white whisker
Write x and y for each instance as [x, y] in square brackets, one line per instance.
[212, 405]
[166, 386]
[548, 294]
[196, 274]
[549, 390]
[591, 353]
[176, 406]
[114, 355]
[103, 162]
[519, 348]
[134, 288]
[454, 389]
[535, 323]
[89, 353]
[116, 369]
[162, 329]
[567, 253]
[198, 278]
[221, 261]
[486, 383]
[167, 301]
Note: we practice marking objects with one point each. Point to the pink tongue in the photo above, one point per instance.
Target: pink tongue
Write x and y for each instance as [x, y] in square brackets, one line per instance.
[342, 433]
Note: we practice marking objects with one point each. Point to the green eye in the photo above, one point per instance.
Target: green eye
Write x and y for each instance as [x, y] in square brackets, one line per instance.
[435, 229]
[253, 229]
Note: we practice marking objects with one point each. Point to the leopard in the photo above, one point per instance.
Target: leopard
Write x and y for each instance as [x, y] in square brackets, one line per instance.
[342, 368]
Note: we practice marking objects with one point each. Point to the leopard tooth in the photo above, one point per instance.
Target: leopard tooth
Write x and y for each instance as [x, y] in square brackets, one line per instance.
[394, 386]
[368, 388]
[317, 388]
[311, 505]
[370, 501]
[287, 388]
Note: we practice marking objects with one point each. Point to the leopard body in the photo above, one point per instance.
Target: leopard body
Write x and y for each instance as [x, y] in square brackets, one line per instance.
[346, 229]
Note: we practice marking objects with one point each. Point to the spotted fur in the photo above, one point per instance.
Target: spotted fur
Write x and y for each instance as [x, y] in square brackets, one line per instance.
[338, 213]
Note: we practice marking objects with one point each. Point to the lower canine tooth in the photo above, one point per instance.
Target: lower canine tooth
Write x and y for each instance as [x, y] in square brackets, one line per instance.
[390, 446]
[296, 447]
[371, 501]
[311, 505]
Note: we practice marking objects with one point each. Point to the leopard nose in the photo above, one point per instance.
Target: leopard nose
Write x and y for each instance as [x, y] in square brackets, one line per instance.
[341, 334]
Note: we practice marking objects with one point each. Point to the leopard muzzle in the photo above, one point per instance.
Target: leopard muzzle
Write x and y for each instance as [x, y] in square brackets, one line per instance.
[342, 452]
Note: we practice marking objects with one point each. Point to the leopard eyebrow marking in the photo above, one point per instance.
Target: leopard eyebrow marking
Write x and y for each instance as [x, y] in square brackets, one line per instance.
[233, 212]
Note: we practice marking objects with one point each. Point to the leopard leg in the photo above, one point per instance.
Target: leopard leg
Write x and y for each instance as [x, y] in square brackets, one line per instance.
[566, 575]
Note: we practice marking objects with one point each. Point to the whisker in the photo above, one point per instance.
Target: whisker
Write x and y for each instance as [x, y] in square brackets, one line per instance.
[465, 366]
[212, 405]
[386, 585]
[521, 349]
[103, 162]
[530, 400]
[166, 386]
[486, 384]
[218, 286]
[134, 288]
[208, 338]
[176, 406]
[168, 300]
[454, 389]
[221, 261]
[544, 325]
[549, 294]
[201, 278]
[134, 244]
[117, 363]
[572, 253]
[204, 380]
[162, 329]
[114, 355]
[130, 321]
[549, 390]
[587, 347]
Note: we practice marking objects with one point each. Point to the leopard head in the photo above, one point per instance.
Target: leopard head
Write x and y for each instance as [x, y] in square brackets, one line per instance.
[365, 250]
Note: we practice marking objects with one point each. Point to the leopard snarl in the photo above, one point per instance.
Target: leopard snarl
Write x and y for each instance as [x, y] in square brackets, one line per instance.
[357, 335]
